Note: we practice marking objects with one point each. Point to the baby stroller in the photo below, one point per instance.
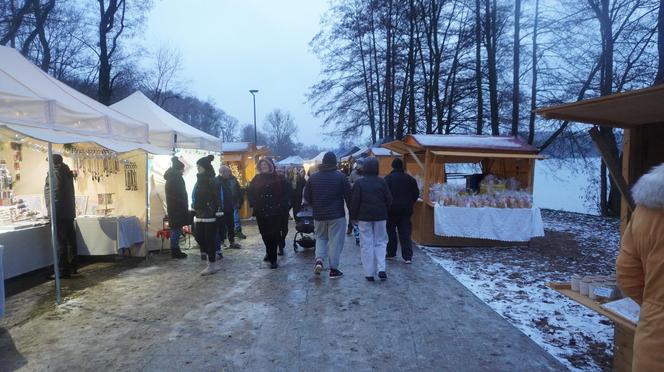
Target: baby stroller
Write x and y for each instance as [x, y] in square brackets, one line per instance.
[304, 226]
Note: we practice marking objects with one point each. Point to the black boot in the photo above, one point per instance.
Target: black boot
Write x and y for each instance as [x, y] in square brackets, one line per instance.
[178, 254]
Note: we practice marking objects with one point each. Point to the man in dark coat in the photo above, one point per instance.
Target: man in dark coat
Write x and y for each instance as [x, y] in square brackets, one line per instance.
[177, 205]
[326, 191]
[229, 189]
[405, 193]
[65, 213]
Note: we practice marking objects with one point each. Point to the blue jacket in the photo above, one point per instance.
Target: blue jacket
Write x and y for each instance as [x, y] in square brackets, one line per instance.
[326, 191]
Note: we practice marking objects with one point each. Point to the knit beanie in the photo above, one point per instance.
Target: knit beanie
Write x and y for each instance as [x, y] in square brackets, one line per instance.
[177, 164]
[57, 159]
[397, 164]
[329, 158]
[206, 163]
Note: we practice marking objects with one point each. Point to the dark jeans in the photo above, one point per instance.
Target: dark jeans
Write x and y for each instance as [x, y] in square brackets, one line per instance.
[270, 229]
[400, 222]
[225, 229]
[205, 234]
[68, 251]
[283, 230]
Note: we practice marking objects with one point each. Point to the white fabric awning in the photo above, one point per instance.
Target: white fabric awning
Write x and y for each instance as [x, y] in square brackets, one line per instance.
[31, 97]
[166, 130]
[59, 137]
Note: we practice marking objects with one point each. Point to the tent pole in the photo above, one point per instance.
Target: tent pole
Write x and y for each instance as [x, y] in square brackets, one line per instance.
[54, 238]
[147, 206]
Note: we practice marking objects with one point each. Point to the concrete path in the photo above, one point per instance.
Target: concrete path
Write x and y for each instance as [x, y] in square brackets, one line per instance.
[164, 317]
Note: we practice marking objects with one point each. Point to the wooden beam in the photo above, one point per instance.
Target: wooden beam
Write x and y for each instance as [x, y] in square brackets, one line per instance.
[427, 177]
[613, 165]
[417, 160]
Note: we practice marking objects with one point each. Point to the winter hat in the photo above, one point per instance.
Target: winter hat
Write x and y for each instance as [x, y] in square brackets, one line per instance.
[397, 164]
[57, 159]
[370, 166]
[329, 158]
[206, 163]
[177, 164]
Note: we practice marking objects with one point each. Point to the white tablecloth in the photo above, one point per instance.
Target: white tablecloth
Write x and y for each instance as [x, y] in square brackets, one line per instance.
[503, 224]
[97, 235]
[27, 248]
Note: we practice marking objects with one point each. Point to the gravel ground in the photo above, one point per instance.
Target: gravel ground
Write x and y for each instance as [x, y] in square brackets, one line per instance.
[513, 282]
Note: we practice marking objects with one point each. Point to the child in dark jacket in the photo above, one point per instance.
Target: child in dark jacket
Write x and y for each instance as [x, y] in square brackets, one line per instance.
[369, 204]
[205, 202]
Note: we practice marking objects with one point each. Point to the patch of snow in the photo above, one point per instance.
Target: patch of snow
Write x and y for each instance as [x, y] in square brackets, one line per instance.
[235, 146]
[473, 142]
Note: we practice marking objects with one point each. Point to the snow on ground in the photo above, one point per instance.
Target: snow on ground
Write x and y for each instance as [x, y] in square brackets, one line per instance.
[513, 282]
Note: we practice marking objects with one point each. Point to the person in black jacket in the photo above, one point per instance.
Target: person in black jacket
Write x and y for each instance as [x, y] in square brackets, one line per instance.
[230, 189]
[406, 192]
[326, 191]
[176, 205]
[205, 202]
[65, 213]
[369, 204]
[269, 196]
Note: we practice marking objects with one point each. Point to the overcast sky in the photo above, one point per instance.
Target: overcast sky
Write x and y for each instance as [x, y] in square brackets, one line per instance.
[231, 46]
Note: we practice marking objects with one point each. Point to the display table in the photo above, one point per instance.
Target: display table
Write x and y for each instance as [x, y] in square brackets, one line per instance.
[623, 330]
[497, 224]
[100, 236]
[27, 247]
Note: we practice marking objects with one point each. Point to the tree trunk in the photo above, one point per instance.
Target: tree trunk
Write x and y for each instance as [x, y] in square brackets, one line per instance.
[515, 78]
[15, 24]
[478, 67]
[533, 90]
[491, 38]
[660, 44]
[411, 65]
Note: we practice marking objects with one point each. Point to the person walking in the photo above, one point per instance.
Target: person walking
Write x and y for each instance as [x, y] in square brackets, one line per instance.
[269, 196]
[65, 213]
[326, 191]
[369, 204]
[205, 202]
[297, 184]
[231, 189]
[405, 193]
[355, 174]
[285, 217]
[640, 269]
[177, 202]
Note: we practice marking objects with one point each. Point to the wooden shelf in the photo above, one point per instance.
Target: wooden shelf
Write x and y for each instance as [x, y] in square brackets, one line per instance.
[566, 290]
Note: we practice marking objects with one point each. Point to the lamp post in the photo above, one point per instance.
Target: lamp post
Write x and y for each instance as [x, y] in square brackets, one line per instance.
[253, 94]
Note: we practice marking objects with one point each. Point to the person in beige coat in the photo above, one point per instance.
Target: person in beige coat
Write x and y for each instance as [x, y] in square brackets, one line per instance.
[640, 269]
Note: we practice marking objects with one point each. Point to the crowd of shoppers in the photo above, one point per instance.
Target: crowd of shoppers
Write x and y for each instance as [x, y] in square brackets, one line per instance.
[379, 211]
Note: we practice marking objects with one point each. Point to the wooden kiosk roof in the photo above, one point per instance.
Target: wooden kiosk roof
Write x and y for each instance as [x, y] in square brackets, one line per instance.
[464, 146]
[622, 110]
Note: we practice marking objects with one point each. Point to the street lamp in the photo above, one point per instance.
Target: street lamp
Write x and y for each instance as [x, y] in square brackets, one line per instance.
[253, 94]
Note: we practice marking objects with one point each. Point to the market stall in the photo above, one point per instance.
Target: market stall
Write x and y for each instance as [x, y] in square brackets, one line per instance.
[640, 114]
[474, 190]
[180, 139]
[36, 112]
[384, 157]
[241, 157]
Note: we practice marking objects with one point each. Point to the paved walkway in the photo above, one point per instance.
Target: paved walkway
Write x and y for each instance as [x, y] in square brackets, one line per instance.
[164, 317]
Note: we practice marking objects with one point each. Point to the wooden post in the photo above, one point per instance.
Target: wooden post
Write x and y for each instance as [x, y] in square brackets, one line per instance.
[427, 177]
[613, 166]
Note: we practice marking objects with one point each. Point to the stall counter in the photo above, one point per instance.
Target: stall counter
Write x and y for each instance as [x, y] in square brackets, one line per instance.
[623, 330]
[27, 247]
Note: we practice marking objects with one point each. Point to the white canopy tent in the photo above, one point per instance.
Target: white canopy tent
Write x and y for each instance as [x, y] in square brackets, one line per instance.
[166, 131]
[36, 105]
[294, 160]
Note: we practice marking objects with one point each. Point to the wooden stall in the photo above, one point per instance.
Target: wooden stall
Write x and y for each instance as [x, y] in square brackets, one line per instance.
[384, 157]
[640, 114]
[241, 157]
[425, 157]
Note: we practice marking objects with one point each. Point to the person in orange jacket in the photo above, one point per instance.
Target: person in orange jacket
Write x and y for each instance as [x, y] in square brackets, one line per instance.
[640, 269]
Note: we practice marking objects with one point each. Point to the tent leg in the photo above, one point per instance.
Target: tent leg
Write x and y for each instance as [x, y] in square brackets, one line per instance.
[147, 206]
[54, 237]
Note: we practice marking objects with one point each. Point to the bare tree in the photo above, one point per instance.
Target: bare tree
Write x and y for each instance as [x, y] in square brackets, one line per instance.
[533, 88]
[281, 130]
[162, 80]
[659, 79]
